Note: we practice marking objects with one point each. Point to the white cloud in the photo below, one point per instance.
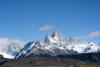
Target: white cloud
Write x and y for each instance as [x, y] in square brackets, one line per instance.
[93, 34]
[4, 42]
[32, 26]
[80, 37]
[90, 36]
[46, 27]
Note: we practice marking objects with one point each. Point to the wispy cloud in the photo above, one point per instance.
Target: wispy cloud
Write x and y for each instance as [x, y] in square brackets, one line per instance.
[46, 27]
[90, 36]
[80, 37]
[4, 42]
[32, 26]
[94, 34]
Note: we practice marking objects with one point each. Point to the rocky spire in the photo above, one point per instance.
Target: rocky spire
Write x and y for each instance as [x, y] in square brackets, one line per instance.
[47, 39]
[38, 41]
[70, 39]
[57, 34]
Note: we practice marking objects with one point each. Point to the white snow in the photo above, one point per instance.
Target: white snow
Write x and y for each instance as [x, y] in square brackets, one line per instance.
[81, 47]
[32, 45]
[5, 55]
[56, 38]
[63, 45]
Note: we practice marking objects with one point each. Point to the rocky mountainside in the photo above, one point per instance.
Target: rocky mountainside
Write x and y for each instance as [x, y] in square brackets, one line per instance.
[57, 45]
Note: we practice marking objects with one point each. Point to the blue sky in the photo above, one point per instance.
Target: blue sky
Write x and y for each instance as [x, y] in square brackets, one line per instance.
[31, 19]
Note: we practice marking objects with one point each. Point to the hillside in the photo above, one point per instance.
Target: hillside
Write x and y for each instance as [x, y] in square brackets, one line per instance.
[39, 61]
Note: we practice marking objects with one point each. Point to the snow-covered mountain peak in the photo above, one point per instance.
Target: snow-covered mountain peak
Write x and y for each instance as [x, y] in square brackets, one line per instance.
[13, 49]
[57, 34]
[29, 45]
[38, 41]
[57, 45]
[48, 35]
[47, 39]
[70, 39]
[91, 42]
[10, 51]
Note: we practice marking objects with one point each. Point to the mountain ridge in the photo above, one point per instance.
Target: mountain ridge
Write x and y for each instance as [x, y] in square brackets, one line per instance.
[56, 45]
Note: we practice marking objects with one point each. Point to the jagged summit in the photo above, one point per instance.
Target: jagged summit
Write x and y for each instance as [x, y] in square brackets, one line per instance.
[47, 39]
[38, 41]
[56, 45]
[69, 38]
[57, 34]
[55, 38]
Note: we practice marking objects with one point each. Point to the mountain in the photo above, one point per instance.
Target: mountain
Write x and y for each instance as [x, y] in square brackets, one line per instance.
[57, 34]
[57, 45]
[86, 47]
[52, 45]
[10, 51]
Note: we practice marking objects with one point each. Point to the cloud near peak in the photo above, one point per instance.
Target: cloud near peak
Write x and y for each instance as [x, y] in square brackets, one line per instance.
[46, 27]
[90, 36]
[4, 42]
